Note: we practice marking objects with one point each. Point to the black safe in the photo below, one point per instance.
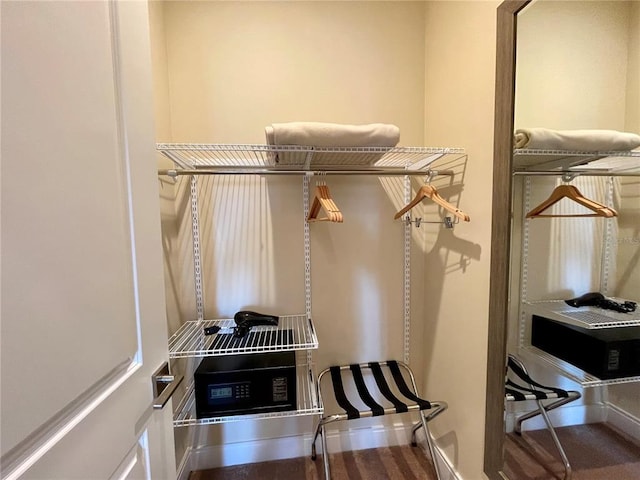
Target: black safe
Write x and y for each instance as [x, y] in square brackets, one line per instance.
[606, 353]
[245, 384]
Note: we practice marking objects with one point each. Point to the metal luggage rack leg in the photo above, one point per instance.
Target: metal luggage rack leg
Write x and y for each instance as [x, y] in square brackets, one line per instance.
[523, 388]
[409, 403]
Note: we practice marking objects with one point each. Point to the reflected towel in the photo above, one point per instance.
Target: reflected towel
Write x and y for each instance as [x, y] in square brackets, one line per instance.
[317, 134]
[580, 140]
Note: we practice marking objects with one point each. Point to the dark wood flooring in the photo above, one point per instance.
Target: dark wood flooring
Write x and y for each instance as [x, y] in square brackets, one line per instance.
[399, 462]
[595, 451]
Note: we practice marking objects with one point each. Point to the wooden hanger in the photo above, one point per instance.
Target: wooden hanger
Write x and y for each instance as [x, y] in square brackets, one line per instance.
[429, 191]
[572, 193]
[323, 200]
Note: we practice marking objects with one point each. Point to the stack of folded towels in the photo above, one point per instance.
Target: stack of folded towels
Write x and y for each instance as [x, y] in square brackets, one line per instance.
[328, 135]
[579, 140]
[317, 134]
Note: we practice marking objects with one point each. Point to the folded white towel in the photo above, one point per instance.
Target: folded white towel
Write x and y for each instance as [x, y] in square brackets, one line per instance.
[581, 140]
[317, 134]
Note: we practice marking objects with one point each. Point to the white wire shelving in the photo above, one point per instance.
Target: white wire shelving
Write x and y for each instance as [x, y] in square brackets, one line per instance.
[589, 318]
[308, 403]
[568, 370]
[584, 317]
[294, 332]
[571, 163]
[294, 159]
[537, 161]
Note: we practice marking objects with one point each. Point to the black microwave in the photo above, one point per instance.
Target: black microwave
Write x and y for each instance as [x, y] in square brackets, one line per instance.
[245, 384]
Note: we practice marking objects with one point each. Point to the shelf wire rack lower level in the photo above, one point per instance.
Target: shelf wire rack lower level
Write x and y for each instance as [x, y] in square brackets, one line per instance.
[307, 404]
[585, 317]
[294, 332]
[571, 371]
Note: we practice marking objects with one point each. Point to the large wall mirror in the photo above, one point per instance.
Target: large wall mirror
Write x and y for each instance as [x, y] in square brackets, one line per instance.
[565, 66]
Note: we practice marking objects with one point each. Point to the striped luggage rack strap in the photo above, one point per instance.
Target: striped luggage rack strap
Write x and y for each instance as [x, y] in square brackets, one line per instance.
[410, 401]
[391, 387]
[517, 392]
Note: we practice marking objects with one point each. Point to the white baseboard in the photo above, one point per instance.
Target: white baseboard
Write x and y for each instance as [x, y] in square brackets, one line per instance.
[623, 421]
[562, 417]
[202, 458]
[185, 467]
[581, 414]
[213, 456]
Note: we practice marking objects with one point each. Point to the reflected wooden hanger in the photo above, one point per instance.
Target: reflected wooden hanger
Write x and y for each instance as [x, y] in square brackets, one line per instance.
[429, 191]
[572, 193]
[323, 200]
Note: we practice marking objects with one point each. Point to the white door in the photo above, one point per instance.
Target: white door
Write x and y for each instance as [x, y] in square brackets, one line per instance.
[83, 317]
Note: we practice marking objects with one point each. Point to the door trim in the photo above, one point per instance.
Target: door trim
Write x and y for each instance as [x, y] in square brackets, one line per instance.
[500, 234]
[21, 457]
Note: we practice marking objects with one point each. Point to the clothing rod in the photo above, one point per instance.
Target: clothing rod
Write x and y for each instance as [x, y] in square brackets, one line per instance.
[261, 171]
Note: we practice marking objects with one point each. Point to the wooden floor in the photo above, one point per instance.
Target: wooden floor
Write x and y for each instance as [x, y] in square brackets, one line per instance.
[402, 463]
[595, 452]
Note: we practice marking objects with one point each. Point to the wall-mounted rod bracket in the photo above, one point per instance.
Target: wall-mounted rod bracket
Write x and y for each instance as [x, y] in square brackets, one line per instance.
[448, 222]
[431, 174]
[568, 176]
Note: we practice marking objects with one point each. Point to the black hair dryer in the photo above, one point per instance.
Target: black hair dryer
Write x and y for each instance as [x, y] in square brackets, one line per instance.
[246, 320]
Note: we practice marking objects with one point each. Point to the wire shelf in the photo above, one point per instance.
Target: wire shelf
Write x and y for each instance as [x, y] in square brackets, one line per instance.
[608, 162]
[294, 332]
[571, 371]
[258, 158]
[584, 317]
[308, 404]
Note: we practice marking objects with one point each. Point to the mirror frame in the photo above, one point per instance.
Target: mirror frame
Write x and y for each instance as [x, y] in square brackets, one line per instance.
[507, 14]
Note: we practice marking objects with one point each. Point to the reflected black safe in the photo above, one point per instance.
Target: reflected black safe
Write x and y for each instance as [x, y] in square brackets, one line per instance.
[607, 353]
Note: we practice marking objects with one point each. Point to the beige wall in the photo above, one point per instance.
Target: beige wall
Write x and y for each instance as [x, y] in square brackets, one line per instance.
[428, 67]
[572, 65]
[460, 62]
[632, 120]
[235, 67]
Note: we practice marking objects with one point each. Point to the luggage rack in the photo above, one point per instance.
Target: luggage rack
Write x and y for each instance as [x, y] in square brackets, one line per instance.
[395, 394]
[521, 387]
[294, 332]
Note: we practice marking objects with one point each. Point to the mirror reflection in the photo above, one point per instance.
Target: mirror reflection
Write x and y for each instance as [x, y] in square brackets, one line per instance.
[575, 273]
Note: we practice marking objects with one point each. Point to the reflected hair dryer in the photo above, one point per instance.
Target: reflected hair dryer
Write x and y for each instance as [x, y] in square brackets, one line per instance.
[596, 299]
